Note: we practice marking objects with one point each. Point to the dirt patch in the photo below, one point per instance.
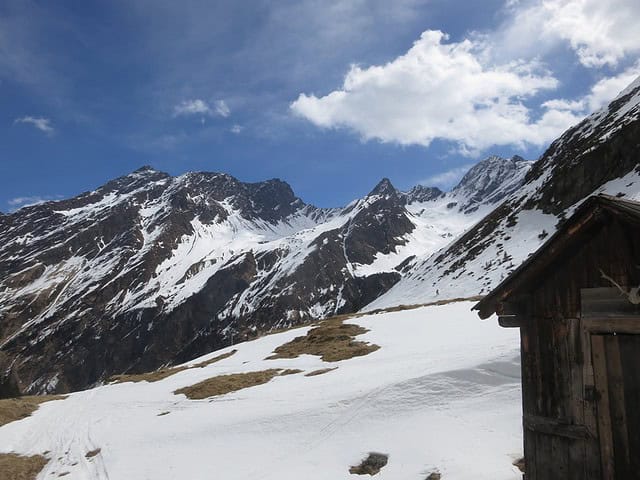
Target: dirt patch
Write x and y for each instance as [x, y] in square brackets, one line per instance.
[401, 308]
[12, 409]
[290, 371]
[163, 373]
[332, 340]
[17, 467]
[320, 372]
[93, 453]
[519, 464]
[434, 476]
[370, 465]
[227, 383]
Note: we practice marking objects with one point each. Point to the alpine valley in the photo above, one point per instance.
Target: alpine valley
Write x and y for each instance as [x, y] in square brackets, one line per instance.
[152, 270]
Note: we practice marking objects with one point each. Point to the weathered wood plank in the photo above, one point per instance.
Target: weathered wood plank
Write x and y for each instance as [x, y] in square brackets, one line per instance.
[618, 410]
[510, 321]
[629, 346]
[606, 302]
[604, 420]
[555, 427]
[577, 450]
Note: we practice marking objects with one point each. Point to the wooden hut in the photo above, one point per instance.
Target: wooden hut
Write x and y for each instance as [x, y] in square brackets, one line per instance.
[576, 303]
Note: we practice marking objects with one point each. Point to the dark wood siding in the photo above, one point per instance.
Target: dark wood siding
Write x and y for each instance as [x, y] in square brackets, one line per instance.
[616, 361]
[560, 417]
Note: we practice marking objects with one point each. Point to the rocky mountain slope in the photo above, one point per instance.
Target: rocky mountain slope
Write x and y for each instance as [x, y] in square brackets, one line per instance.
[151, 269]
[600, 154]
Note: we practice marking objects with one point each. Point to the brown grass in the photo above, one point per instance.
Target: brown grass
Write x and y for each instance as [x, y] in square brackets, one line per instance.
[17, 467]
[320, 372]
[370, 465]
[400, 308]
[290, 371]
[227, 383]
[93, 453]
[12, 409]
[163, 373]
[332, 340]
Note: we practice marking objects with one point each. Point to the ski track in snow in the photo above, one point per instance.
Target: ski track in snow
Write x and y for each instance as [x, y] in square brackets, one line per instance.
[442, 392]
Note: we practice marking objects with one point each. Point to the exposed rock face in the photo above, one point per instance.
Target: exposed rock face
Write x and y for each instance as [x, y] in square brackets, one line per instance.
[600, 154]
[150, 269]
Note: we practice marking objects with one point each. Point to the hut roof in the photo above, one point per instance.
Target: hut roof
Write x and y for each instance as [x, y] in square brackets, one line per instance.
[574, 230]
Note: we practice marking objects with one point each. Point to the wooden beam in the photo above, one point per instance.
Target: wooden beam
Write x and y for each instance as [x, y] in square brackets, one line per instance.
[555, 427]
[510, 321]
[598, 355]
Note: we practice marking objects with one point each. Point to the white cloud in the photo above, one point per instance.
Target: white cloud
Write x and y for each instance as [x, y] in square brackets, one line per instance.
[600, 32]
[237, 129]
[42, 124]
[19, 202]
[440, 90]
[448, 179]
[601, 93]
[222, 108]
[198, 106]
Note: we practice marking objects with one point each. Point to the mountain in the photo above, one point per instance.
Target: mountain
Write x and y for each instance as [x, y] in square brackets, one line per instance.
[150, 269]
[599, 155]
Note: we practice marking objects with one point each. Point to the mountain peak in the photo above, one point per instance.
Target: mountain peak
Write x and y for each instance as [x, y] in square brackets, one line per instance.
[384, 187]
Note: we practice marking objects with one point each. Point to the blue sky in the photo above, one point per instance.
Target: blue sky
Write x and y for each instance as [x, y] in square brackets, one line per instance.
[329, 95]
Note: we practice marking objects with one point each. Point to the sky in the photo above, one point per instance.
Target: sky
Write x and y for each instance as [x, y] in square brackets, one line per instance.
[328, 95]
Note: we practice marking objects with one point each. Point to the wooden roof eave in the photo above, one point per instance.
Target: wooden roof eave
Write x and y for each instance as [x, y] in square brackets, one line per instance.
[588, 214]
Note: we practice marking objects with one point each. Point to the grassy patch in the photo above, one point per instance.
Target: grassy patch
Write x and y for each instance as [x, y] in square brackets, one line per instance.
[401, 308]
[93, 453]
[332, 340]
[320, 372]
[17, 467]
[370, 465]
[163, 373]
[290, 371]
[227, 383]
[12, 409]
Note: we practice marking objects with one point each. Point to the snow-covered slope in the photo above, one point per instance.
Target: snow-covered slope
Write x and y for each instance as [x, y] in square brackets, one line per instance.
[599, 155]
[442, 393]
[163, 269]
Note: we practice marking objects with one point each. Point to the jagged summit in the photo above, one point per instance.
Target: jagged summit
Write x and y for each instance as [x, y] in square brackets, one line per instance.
[421, 193]
[165, 268]
[598, 155]
[492, 179]
[384, 187]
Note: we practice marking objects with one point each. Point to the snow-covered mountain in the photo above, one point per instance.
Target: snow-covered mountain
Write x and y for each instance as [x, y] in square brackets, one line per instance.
[152, 269]
[599, 155]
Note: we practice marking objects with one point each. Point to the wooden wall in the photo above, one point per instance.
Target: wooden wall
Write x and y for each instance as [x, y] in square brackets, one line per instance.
[559, 405]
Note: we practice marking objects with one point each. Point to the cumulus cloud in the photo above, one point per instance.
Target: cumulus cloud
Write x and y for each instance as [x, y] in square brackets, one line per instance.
[440, 90]
[40, 123]
[236, 129]
[600, 32]
[198, 106]
[600, 94]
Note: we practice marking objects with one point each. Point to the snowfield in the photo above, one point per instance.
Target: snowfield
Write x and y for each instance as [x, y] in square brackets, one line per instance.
[442, 393]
